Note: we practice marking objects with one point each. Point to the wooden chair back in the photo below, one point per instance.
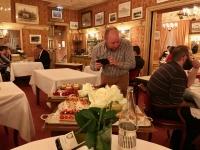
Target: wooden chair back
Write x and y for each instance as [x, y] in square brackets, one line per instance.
[133, 73]
[163, 123]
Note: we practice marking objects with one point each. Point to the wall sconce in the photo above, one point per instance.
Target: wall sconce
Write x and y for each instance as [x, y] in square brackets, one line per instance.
[5, 31]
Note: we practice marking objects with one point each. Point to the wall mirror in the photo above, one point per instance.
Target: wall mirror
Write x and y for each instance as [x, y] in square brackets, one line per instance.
[11, 39]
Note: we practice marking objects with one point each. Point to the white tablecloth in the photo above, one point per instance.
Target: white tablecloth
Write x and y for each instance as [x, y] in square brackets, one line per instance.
[15, 110]
[48, 80]
[49, 144]
[98, 73]
[18, 69]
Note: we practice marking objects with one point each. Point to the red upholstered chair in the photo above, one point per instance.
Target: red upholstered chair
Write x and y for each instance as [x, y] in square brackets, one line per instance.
[132, 74]
[162, 123]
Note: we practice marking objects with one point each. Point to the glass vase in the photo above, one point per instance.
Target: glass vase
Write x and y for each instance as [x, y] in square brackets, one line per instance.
[104, 139]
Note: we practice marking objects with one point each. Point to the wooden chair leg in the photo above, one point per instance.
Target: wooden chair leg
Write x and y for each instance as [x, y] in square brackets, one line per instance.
[6, 130]
[16, 137]
[168, 133]
[150, 137]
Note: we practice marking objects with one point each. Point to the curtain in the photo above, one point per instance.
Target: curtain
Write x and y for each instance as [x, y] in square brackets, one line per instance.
[181, 34]
[163, 39]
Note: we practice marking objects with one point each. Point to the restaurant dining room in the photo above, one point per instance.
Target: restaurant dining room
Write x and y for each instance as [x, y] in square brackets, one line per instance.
[101, 75]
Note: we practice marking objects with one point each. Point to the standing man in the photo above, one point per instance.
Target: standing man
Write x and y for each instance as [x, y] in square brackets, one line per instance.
[120, 59]
[167, 86]
[43, 56]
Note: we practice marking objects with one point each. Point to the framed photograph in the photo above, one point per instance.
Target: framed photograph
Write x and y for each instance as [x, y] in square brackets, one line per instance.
[160, 1]
[35, 39]
[56, 14]
[157, 35]
[137, 13]
[195, 27]
[73, 25]
[26, 13]
[86, 19]
[113, 17]
[99, 19]
[124, 9]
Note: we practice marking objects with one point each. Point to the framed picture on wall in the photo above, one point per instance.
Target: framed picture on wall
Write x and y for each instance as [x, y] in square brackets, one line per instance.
[56, 14]
[99, 19]
[26, 13]
[73, 25]
[112, 17]
[124, 9]
[86, 19]
[195, 27]
[137, 13]
[35, 39]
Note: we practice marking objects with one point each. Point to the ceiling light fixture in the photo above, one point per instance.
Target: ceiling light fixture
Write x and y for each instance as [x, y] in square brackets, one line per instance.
[169, 26]
[186, 12]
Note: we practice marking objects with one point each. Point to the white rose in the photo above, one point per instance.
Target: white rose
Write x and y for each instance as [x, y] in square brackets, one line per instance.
[117, 95]
[100, 98]
[123, 101]
[86, 89]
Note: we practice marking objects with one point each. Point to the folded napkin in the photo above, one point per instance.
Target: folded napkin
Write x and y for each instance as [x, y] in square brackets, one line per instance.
[195, 112]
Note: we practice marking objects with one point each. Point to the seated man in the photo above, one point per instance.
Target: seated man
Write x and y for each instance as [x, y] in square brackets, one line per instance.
[43, 56]
[4, 61]
[139, 61]
[167, 86]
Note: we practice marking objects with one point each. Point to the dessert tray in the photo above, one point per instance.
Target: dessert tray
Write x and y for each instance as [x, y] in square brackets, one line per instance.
[143, 120]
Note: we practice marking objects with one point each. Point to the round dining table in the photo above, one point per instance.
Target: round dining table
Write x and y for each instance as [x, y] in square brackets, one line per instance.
[49, 144]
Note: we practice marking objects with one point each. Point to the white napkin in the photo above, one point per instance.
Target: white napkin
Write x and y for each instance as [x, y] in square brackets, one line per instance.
[195, 112]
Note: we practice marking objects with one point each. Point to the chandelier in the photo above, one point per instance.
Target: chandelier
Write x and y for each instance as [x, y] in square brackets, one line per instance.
[170, 26]
[4, 9]
[188, 14]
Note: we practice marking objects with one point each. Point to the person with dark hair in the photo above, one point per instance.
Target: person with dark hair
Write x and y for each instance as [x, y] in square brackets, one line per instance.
[119, 58]
[4, 61]
[166, 87]
[43, 56]
[164, 54]
[139, 61]
[169, 57]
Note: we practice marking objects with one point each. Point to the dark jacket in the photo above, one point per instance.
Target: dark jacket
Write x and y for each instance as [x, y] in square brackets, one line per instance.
[44, 59]
[139, 62]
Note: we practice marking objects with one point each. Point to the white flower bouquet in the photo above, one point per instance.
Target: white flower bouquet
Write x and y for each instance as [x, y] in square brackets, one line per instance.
[97, 121]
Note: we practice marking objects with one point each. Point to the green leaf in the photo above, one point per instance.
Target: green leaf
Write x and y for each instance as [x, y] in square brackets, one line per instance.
[99, 144]
[95, 112]
[90, 139]
[80, 120]
[87, 114]
[110, 114]
[88, 122]
[92, 126]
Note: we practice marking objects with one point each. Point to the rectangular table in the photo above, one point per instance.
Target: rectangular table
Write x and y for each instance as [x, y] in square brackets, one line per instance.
[19, 69]
[59, 129]
[48, 80]
[15, 111]
[74, 66]
[98, 73]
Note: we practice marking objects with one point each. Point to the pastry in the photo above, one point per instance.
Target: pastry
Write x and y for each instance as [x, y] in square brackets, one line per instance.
[65, 116]
[68, 86]
[63, 86]
[76, 86]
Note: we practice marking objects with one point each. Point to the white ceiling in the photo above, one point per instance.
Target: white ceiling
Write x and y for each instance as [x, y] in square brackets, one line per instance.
[74, 4]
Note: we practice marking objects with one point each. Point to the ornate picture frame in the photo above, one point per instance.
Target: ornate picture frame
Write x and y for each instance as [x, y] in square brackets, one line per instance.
[112, 17]
[86, 19]
[73, 25]
[35, 39]
[124, 9]
[26, 13]
[99, 19]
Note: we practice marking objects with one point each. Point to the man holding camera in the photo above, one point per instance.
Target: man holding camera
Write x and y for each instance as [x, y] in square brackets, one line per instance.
[116, 58]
